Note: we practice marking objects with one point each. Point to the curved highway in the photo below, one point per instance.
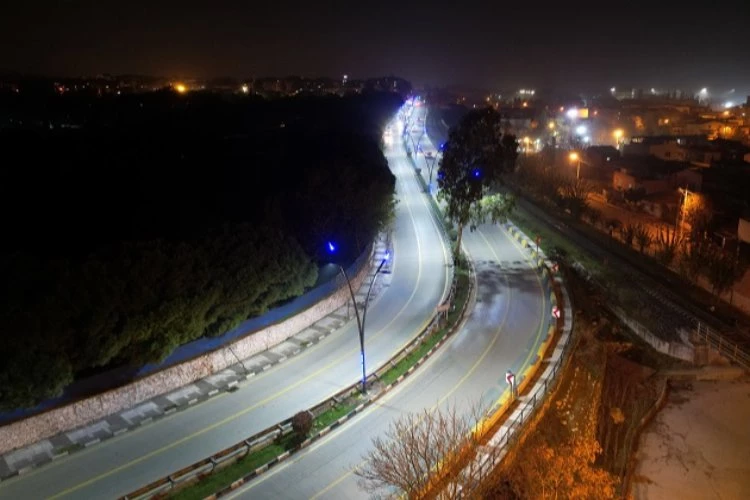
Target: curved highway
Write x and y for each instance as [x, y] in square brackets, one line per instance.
[121, 464]
[502, 331]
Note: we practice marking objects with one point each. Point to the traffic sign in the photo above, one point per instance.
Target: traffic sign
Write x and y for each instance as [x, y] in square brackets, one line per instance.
[444, 307]
[556, 311]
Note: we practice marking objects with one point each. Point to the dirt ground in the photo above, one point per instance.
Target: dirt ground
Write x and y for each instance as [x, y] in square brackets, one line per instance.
[698, 446]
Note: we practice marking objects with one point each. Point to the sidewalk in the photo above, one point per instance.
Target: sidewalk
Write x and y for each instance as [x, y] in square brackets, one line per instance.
[698, 446]
[25, 459]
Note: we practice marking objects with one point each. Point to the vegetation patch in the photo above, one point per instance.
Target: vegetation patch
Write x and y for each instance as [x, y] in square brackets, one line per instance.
[332, 415]
[580, 443]
[216, 214]
[214, 482]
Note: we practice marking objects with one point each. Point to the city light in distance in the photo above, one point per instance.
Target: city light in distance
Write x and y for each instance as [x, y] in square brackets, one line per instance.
[180, 88]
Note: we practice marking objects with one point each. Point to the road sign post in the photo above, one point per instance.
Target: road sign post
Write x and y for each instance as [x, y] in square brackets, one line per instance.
[510, 378]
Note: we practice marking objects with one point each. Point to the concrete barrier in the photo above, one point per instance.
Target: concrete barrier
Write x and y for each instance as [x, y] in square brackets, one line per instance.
[65, 418]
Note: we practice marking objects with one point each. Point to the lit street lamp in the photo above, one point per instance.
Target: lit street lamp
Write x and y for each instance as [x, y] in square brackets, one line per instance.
[360, 320]
[575, 157]
[430, 159]
[618, 136]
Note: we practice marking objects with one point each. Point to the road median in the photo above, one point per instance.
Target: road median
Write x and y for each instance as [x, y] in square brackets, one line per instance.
[229, 469]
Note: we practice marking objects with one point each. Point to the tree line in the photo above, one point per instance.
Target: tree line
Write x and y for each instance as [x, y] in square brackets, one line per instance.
[136, 234]
[690, 253]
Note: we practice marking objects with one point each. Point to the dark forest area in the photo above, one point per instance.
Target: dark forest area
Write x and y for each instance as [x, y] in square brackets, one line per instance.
[136, 223]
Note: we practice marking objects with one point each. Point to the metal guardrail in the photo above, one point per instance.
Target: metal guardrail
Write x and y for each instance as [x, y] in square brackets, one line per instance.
[494, 451]
[726, 348]
[258, 440]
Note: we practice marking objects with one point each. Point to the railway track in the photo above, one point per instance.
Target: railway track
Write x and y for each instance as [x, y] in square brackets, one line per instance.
[674, 310]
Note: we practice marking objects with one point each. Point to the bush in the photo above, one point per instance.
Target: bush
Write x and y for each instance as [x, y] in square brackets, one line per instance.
[302, 422]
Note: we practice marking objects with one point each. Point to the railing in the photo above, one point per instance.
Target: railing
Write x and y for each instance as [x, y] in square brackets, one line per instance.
[490, 455]
[728, 349]
[239, 450]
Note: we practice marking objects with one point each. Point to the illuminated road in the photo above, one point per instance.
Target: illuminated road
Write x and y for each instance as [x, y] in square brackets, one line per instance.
[122, 464]
[502, 331]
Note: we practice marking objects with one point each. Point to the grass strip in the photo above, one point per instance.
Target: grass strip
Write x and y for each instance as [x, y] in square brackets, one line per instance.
[226, 476]
[330, 416]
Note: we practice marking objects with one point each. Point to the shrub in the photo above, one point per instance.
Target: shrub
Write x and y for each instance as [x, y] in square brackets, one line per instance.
[302, 422]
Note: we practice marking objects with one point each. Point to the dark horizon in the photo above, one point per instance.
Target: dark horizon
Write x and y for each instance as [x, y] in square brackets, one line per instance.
[482, 44]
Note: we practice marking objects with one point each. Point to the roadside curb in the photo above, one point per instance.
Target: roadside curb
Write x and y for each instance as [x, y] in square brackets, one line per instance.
[158, 407]
[200, 469]
[528, 398]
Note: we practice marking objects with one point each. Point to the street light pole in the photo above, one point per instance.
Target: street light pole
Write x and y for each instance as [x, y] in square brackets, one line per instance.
[574, 156]
[361, 320]
[430, 160]
[359, 326]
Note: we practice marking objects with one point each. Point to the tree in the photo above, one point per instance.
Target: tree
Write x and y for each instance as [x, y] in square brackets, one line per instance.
[642, 236]
[493, 208]
[694, 260]
[594, 216]
[628, 233]
[565, 471]
[668, 240]
[612, 225]
[473, 159]
[509, 144]
[723, 270]
[419, 447]
[574, 193]
[697, 212]
[302, 422]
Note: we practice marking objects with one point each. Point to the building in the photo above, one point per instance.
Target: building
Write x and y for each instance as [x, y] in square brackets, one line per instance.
[627, 180]
[668, 151]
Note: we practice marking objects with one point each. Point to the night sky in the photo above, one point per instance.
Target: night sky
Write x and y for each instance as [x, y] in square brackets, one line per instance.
[493, 44]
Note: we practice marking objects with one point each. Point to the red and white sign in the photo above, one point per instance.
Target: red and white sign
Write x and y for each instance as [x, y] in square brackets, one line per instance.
[555, 311]
[510, 378]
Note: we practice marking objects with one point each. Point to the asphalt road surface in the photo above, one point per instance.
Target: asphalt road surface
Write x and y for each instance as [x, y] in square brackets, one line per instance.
[503, 331]
[122, 464]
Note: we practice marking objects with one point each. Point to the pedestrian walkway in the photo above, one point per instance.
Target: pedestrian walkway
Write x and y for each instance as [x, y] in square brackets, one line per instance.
[25, 459]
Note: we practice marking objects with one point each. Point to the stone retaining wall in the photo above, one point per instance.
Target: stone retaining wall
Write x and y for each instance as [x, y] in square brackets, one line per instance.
[30, 430]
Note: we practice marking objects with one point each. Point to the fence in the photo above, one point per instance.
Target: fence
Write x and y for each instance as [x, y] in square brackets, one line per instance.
[728, 349]
[490, 455]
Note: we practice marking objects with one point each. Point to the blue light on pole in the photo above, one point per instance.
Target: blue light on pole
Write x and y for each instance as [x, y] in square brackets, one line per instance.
[361, 319]
[476, 173]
